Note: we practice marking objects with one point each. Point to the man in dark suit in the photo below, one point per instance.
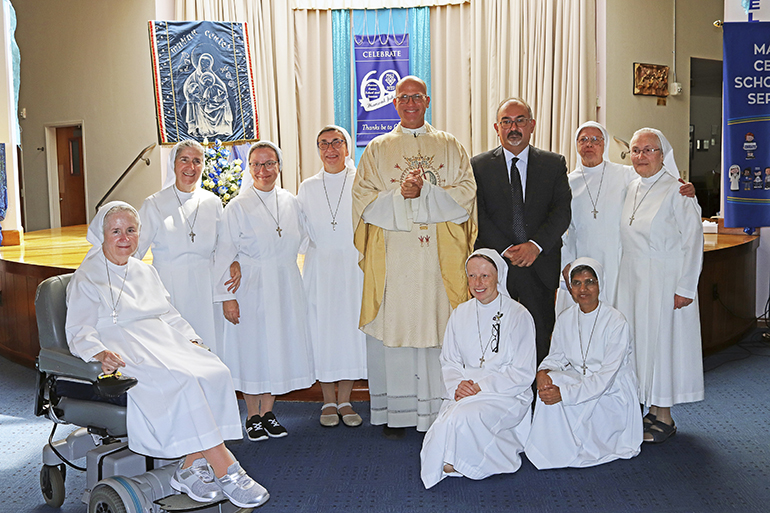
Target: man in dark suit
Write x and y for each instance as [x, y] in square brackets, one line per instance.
[523, 199]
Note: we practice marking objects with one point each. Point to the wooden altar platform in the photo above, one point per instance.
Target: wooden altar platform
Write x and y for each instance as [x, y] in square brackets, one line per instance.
[47, 253]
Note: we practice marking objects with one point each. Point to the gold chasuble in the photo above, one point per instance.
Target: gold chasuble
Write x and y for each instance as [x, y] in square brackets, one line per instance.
[413, 251]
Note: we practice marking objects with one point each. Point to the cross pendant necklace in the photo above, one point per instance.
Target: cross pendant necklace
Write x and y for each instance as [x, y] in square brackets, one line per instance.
[601, 181]
[481, 361]
[580, 337]
[277, 215]
[636, 207]
[186, 218]
[114, 303]
[326, 193]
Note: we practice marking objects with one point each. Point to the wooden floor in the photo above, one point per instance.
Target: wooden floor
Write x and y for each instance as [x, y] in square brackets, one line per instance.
[47, 253]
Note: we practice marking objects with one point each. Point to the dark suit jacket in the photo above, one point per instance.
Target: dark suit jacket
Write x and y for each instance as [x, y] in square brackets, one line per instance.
[547, 211]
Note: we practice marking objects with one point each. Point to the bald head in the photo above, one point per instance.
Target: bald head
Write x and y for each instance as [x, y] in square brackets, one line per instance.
[411, 101]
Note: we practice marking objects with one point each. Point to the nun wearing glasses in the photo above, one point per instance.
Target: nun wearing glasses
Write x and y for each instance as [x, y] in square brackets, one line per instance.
[333, 280]
[265, 345]
[488, 365]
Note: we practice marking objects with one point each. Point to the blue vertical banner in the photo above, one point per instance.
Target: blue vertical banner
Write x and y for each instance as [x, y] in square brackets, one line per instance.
[204, 85]
[746, 182]
[381, 61]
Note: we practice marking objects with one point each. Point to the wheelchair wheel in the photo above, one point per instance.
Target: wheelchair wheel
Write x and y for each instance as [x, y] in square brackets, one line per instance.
[104, 499]
[52, 485]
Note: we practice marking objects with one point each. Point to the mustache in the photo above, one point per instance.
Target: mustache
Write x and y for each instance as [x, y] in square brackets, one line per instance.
[513, 133]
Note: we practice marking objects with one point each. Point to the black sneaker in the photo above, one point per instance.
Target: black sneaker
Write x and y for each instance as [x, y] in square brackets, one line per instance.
[272, 426]
[254, 429]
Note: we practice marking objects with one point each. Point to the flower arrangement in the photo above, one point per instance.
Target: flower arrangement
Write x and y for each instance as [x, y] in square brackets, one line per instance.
[220, 175]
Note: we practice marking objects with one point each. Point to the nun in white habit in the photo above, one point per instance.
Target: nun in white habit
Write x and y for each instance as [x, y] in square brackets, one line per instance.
[587, 411]
[333, 280]
[265, 341]
[662, 237]
[488, 365]
[180, 223]
[184, 405]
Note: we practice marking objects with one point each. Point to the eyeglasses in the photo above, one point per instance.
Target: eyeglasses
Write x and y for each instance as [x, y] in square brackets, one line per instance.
[648, 152]
[519, 122]
[590, 282]
[336, 144]
[270, 165]
[582, 141]
[416, 98]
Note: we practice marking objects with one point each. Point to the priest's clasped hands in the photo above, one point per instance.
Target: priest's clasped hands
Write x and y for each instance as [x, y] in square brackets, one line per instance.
[412, 184]
[549, 393]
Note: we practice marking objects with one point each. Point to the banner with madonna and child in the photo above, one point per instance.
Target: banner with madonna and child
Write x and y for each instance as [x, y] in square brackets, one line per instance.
[204, 85]
[746, 182]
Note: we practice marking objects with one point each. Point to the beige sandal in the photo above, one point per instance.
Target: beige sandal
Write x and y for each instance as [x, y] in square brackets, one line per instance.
[332, 419]
[351, 419]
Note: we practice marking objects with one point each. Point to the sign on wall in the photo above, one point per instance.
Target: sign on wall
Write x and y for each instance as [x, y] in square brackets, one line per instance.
[204, 86]
[381, 61]
[746, 183]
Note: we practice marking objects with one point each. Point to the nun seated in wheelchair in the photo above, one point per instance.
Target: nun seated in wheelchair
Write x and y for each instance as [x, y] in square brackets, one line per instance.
[184, 405]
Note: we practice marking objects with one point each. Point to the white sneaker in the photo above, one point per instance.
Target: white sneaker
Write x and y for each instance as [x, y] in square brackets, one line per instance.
[242, 490]
[197, 481]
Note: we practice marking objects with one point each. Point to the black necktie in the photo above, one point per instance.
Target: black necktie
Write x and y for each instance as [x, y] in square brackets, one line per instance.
[517, 201]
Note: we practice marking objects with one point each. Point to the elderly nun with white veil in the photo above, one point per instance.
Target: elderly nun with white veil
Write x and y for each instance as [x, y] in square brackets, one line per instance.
[184, 405]
[332, 278]
[662, 239]
[587, 411]
[488, 366]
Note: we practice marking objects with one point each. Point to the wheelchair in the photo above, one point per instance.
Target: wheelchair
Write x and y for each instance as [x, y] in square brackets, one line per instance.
[117, 479]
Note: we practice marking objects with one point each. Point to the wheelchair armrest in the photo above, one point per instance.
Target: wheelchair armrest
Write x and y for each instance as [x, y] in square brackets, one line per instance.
[63, 363]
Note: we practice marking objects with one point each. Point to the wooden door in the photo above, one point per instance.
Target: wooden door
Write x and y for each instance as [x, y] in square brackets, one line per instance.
[69, 159]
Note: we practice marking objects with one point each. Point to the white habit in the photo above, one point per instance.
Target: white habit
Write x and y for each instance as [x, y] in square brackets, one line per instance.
[598, 419]
[332, 278]
[185, 266]
[484, 434]
[662, 256]
[268, 351]
[184, 401]
[597, 238]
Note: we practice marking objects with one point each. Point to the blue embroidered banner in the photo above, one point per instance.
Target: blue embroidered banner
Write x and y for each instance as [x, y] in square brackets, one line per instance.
[204, 86]
[3, 186]
[381, 61]
[746, 185]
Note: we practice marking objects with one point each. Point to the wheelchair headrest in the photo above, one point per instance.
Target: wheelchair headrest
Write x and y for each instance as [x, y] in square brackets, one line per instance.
[51, 312]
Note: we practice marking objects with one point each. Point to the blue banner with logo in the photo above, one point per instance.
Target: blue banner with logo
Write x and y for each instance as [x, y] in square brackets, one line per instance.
[381, 61]
[204, 85]
[746, 185]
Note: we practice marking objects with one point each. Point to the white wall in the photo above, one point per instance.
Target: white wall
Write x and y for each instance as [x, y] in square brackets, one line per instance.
[89, 61]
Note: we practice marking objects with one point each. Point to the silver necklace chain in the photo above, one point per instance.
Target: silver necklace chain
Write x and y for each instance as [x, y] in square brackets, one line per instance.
[594, 203]
[334, 213]
[495, 337]
[277, 215]
[580, 337]
[636, 207]
[114, 303]
[187, 218]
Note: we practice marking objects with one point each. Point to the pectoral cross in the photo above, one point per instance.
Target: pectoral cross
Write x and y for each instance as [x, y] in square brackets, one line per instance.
[584, 370]
[192, 236]
[278, 229]
[481, 361]
[114, 316]
[334, 225]
[594, 212]
[631, 220]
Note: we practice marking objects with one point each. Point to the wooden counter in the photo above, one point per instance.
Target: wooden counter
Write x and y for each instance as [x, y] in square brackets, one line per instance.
[727, 289]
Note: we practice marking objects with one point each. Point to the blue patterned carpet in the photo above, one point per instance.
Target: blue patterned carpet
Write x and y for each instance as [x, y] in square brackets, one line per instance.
[719, 460]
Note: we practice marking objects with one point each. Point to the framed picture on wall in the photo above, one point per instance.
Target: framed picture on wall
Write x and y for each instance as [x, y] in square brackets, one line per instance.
[650, 79]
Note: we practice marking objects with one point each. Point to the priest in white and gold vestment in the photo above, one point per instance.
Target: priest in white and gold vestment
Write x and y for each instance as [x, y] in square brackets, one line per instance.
[414, 215]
